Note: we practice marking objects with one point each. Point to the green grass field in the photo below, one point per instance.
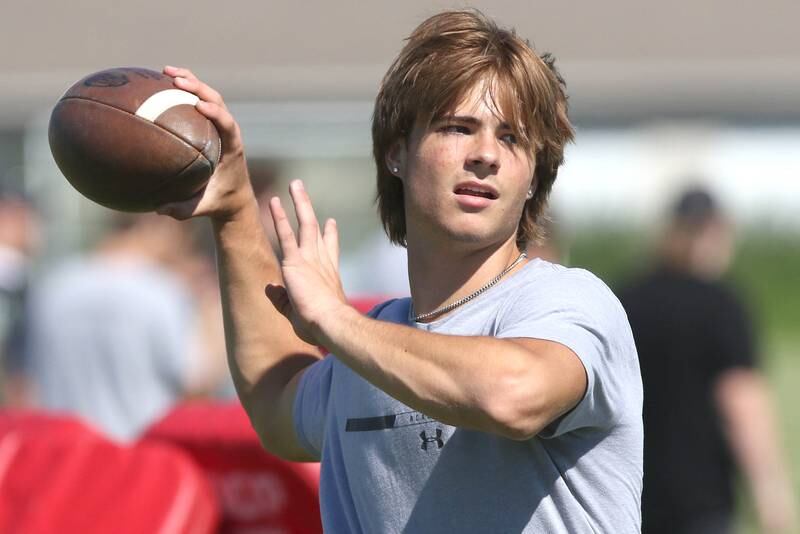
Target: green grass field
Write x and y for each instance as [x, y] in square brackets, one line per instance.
[766, 273]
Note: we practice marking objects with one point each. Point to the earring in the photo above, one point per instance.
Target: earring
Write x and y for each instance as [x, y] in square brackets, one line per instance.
[530, 193]
[395, 170]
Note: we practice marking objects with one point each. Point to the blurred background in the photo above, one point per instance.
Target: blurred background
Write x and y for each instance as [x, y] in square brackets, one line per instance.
[663, 95]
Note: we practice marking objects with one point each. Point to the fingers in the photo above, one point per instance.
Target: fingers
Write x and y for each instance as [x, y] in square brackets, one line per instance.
[308, 227]
[186, 80]
[283, 229]
[331, 239]
[226, 126]
[211, 105]
[170, 70]
[322, 246]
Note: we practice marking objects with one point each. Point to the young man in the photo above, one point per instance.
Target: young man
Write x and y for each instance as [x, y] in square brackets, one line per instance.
[505, 395]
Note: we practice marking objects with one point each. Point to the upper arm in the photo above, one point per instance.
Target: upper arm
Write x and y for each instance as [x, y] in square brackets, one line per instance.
[288, 446]
[732, 341]
[585, 352]
[293, 426]
[560, 377]
[274, 422]
[303, 411]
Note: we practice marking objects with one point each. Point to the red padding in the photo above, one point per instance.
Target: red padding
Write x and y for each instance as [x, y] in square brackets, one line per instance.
[57, 475]
[258, 491]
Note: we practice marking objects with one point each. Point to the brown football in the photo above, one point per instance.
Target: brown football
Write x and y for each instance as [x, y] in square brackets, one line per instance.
[129, 140]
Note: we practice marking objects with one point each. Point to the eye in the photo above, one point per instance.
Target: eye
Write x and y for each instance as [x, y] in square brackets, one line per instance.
[455, 128]
[509, 138]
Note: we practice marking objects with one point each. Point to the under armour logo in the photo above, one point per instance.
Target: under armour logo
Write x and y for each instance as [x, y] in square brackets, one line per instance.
[426, 440]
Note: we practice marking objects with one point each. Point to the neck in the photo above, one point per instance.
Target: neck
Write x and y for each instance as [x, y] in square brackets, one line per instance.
[439, 277]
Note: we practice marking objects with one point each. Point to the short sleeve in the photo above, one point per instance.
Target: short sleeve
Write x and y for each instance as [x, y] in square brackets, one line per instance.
[577, 310]
[311, 405]
[733, 335]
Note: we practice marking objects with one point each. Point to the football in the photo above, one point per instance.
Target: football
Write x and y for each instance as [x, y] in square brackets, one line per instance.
[128, 139]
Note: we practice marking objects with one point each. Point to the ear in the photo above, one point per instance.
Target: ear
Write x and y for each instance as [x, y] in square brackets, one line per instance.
[397, 158]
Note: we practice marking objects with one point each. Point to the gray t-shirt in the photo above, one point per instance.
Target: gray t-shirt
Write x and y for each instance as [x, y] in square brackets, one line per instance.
[110, 341]
[387, 468]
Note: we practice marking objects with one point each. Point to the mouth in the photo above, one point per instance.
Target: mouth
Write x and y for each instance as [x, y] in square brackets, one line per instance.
[474, 190]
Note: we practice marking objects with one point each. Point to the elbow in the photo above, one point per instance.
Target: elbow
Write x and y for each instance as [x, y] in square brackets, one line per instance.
[264, 424]
[272, 442]
[518, 413]
[517, 426]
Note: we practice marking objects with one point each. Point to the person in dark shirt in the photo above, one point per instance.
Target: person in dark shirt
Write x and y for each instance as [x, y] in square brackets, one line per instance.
[706, 406]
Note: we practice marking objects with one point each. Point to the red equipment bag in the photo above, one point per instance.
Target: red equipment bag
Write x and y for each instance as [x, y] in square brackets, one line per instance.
[258, 492]
[59, 475]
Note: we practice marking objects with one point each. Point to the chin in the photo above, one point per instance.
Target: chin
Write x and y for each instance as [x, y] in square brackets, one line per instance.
[478, 235]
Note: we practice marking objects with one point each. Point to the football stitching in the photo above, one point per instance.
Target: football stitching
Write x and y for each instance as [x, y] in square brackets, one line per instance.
[208, 143]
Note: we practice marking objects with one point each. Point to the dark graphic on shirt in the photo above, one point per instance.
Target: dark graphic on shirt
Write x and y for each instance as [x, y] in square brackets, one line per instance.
[386, 422]
[399, 420]
[426, 441]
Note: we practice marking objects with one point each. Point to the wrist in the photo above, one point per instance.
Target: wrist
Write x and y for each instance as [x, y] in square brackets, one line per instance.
[242, 212]
[235, 204]
[334, 322]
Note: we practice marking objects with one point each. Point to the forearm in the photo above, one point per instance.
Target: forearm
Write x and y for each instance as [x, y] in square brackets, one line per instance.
[744, 400]
[263, 351]
[482, 383]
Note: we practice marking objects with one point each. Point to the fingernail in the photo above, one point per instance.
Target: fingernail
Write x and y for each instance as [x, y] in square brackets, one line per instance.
[298, 184]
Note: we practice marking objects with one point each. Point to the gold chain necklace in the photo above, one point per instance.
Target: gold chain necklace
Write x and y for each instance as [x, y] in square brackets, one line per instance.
[464, 300]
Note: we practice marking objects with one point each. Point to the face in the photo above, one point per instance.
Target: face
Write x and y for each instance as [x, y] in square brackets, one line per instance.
[465, 178]
[712, 249]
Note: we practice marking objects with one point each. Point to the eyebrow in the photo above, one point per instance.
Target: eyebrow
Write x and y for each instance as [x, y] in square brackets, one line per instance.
[468, 119]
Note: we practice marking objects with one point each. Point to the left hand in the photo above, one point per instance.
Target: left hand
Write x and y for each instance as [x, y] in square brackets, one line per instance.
[228, 191]
[310, 264]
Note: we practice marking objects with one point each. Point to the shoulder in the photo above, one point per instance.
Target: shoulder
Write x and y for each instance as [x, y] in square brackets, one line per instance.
[550, 282]
[394, 310]
[557, 301]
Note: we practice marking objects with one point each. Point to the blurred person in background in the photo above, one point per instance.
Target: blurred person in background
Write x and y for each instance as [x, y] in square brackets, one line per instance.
[19, 241]
[117, 337]
[707, 409]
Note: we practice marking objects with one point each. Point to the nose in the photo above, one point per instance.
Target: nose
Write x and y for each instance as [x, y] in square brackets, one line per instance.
[484, 154]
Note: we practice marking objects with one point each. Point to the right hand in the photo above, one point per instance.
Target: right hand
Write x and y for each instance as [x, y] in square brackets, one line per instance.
[228, 190]
[310, 266]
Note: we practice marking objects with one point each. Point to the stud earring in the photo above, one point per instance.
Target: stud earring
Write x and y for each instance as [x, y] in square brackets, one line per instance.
[530, 194]
[395, 170]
